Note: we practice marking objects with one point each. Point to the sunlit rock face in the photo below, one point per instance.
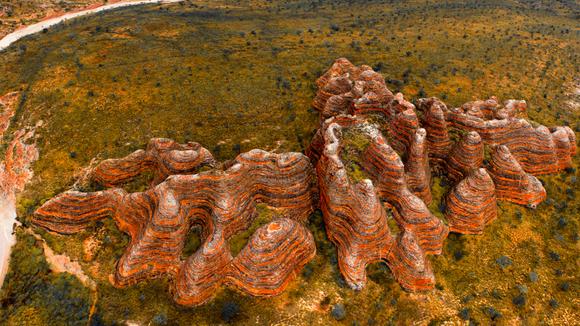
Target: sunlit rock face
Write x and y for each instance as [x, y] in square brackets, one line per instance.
[273, 257]
[466, 156]
[438, 140]
[368, 166]
[417, 169]
[512, 183]
[223, 203]
[386, 170]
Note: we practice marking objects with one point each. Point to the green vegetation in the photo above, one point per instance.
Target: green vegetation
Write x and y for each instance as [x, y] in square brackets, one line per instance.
[33, 295]
[354, 143]
[439, 189]
[237, 76]
[264, 215]
[192, 243]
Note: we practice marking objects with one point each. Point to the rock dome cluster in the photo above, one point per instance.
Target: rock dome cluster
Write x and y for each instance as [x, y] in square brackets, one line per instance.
[371, 160]
[221, 201]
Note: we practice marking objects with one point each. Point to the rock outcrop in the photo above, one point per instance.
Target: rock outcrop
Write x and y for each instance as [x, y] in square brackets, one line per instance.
[466, 156]
[408, 263]
[386, 169]
[438, 141]
[355, 219]
[356, 97]
[471, 203]
[387, 172]
[366, 133]
[417, 169]
[539, 150]
[512, 183]
[534, 148]
[347, 89]
[163, 157]
[273, 257]
[223, 204]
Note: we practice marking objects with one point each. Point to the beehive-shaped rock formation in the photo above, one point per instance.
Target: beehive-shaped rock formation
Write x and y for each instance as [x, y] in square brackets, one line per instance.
[387, 172]
[413, 271]
[164, 157]
[539, 150]
[273, 257]
[438, 141]
[223, 204]
[482, 108]
[417, 169]
[356, 96]
[534, 148]
[512, 183]
[564, 146]
[472, 203]
[347, 89]
[356, 220]
[466, 156]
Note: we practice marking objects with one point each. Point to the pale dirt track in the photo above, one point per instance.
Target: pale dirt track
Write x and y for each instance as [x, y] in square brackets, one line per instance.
[38, 27]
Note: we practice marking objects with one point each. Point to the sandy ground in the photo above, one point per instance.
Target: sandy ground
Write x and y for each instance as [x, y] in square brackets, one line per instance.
[38, 27]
